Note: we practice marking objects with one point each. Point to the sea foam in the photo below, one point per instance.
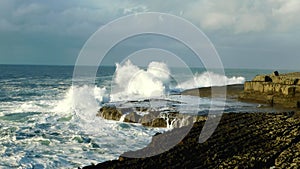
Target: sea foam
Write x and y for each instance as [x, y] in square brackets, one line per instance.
[207, 79]
[132, 82]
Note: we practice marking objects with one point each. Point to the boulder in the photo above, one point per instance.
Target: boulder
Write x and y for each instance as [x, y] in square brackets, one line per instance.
[276, 73]
[110, 113]
[268, 79]
[158, 122]
[132, 117]
[149, 117]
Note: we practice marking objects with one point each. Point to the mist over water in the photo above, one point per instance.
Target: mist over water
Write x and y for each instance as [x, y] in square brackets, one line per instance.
[45, 122]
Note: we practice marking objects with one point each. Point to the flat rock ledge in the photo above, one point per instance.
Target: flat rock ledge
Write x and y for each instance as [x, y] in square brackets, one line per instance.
[163, 119]
[241, 140]
[274, 89]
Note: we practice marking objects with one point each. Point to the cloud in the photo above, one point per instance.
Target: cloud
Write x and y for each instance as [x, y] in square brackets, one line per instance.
[76, 17]
[6, 26]
[286, 14]
[232, 25]
[30, 9]
[244, 16]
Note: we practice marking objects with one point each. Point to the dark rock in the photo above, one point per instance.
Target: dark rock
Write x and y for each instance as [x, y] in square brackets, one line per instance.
[132, 117]
[142, 109]
[242, 140]
[158, 133]
[152, 119]
[110, 113]
[148, 118]
[156, 122]
[276, 73]
[268, 79]
[159, 122]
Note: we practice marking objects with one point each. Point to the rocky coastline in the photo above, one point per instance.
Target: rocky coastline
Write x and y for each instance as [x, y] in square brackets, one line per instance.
[241, 140]
[148, 118]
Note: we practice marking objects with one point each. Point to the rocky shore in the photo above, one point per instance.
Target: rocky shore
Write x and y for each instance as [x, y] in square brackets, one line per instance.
[232, 91]
[148, 118]
[242, 140]
[279, 90]
[276, 90]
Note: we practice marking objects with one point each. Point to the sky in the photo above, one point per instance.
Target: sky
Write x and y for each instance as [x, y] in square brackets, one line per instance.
[246, 34]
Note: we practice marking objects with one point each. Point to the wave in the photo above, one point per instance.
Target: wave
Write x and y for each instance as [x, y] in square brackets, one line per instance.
[82, 99]
[129, 82]
[208, 79]
[132, 82]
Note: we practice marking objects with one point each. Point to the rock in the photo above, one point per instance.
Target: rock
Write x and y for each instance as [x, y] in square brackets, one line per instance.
[288, 90]
[147, 118]
[159, 122]
[142, 109]
[121, 158]
[232, 91]
[276, 73]
[268, 79]
[132, 117]
[259, 78]
[110, 113]
[241, 140]
[183, 120]
[276, 90]
[152, 119]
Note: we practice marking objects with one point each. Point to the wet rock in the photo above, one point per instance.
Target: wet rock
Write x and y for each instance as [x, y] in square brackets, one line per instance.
[241, 140]
[158, 122]
[132, 117]
[142, 109]
[110, 113]
[150, 119]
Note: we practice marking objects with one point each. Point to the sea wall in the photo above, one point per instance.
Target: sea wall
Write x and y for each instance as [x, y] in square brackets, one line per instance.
[275, 90]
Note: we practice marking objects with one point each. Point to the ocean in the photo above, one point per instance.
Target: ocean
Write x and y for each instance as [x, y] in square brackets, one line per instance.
[46, 122]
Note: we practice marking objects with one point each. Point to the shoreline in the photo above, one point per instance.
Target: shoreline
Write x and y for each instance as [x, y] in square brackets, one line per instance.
[255, 140]
[232, 91]
[233, 94]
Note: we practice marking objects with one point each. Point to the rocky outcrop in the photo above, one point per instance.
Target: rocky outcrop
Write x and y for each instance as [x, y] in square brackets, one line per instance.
[110, 113]
[163, 119]
[132, 117]
[276, 90]
[232, 91]
[242, 140]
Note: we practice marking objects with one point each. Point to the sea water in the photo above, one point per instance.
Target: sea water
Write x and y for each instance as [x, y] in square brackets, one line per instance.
[46, 122]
